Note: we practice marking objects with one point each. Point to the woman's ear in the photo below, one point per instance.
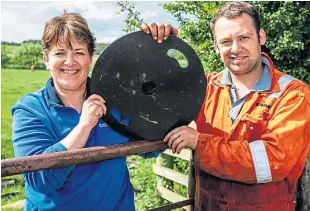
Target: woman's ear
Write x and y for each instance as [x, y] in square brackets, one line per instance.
[45, 60]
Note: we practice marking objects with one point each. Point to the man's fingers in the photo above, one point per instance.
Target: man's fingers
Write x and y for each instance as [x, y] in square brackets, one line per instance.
[144, 27]
[172, 138]
[175, 130]
[175, 144]
[160, 32]
[153, 28]
[167, 31]
[174, 31]
[181, 146]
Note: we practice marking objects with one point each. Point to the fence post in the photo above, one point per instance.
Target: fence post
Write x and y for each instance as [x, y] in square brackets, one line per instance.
[164, 169]
[164, 161]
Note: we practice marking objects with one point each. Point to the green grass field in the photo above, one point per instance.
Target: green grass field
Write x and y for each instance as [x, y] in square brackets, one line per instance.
[15, 84]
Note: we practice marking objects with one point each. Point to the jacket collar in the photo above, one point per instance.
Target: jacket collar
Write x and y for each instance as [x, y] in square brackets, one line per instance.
[52, 97]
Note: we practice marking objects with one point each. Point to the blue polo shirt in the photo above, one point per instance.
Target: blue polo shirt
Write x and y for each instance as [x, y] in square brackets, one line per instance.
[40, 121]
[263, 84]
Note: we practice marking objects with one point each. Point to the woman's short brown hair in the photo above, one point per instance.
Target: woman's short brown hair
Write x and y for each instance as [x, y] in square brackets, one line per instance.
[61, 28]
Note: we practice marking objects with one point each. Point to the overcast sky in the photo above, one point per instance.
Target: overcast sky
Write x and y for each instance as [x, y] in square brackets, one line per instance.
[23, 20]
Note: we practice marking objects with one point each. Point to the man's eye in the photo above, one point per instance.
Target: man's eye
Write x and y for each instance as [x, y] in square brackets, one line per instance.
[225, 42]
[80, 53]
[244, 38]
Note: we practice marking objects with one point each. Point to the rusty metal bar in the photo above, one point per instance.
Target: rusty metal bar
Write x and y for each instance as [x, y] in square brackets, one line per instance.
[174, 205]
[79, 156]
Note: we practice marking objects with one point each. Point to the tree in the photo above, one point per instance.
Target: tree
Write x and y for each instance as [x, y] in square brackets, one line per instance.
[29, 54]
[5, 59]
[133, 20]
[287, 25]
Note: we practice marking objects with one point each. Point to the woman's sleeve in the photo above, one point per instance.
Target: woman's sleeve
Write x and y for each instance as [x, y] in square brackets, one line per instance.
[31, 137]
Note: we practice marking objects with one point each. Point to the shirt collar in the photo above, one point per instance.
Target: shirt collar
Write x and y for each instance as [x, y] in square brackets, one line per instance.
[263, 84]
[52, 97]
[226, 78]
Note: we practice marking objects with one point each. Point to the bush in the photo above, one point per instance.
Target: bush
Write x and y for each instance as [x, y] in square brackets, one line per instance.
[143, 180]
[287, 25]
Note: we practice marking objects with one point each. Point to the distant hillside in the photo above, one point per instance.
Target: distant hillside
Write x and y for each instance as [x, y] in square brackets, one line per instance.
[13, 46]
[9, 43]
[28, 53]
[100, 47]
[24, 42]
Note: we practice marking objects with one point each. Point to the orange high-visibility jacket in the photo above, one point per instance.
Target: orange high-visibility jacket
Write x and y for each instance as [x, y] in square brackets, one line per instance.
[254, 163]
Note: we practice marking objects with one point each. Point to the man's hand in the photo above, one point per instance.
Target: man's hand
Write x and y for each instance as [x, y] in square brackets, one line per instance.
[159, 31]
[182, 137]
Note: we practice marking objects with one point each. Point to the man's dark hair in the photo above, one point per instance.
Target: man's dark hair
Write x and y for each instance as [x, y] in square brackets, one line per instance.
[234, 9]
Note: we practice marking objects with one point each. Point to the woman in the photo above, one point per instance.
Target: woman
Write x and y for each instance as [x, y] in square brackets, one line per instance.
[62, 116]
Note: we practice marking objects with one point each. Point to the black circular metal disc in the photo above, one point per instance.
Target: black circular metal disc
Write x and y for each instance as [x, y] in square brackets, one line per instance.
[135, 75]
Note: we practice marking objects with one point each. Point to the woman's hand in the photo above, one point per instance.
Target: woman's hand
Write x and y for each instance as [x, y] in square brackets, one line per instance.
[93, 109]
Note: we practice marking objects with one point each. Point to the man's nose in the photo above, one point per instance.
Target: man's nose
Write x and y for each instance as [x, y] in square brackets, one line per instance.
[236, 47]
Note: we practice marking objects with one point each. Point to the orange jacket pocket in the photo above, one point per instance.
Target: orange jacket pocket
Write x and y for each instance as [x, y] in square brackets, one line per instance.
[254, 127]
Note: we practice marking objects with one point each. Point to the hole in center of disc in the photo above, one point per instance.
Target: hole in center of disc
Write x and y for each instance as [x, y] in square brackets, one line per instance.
[148, 88]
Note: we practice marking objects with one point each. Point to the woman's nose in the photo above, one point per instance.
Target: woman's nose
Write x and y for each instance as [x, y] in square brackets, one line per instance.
[69, 60]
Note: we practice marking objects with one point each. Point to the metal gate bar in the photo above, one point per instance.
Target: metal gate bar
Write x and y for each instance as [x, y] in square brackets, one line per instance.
[79, 156]
[174, 205]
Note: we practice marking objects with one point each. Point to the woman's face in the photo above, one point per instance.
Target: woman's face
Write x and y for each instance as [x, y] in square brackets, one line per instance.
[69, 67]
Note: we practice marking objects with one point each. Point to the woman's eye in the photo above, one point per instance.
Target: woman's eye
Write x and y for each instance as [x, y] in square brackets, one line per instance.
[59, 53]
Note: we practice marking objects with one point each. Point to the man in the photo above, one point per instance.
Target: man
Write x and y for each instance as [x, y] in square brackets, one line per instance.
[253, 130]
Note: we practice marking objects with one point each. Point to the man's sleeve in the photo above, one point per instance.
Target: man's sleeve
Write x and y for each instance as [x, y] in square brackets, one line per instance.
[271, 158]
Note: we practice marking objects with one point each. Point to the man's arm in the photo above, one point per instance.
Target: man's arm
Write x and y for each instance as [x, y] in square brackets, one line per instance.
[285, 140]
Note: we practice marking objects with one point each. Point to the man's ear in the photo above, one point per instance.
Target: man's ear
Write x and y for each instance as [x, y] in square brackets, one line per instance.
[262, 37]
[217, 50]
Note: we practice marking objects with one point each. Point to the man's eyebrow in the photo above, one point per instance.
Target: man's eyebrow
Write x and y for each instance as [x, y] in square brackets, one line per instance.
[239, 35]
[224, 39]
[246, 33]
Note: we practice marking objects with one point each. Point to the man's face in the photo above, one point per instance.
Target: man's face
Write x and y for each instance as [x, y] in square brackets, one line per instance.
[238, 43]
